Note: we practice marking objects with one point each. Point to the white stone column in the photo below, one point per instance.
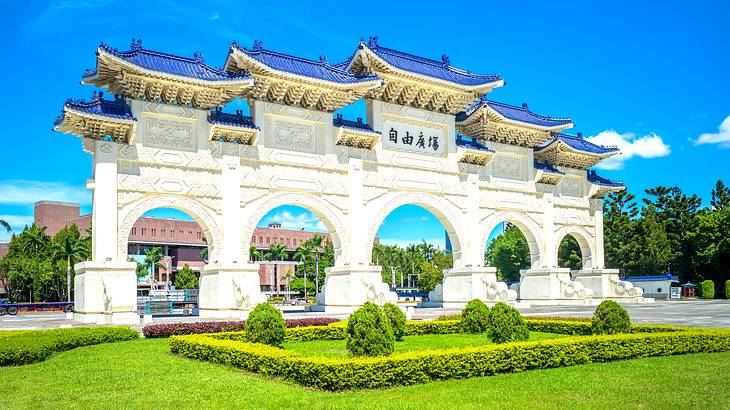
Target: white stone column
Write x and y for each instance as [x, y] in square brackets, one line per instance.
[549, 258]
[105, 288]
[598, 255]
[230, 286]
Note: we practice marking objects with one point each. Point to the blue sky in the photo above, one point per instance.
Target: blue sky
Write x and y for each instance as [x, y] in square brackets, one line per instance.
[650, 77]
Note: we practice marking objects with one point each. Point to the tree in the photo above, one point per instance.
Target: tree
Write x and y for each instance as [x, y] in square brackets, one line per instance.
[429, 276]
[412, 251]
[427, 250]
[712, 241]
[186, 279]
[142, 269]
[204, 254]
[277, 251]
[5, 224]
[68, 246]
[656, 253]
[315, 244]
[152, 259]
[622, 243]
[509, 253]
[254, 253]
[569, 255]
[302, 254]
[36, 242]
[720, 196]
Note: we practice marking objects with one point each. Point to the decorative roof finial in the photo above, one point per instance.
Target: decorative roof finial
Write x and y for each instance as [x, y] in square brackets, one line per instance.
[136, 44]
[199, 57]
[580, 135]
[258, 45]
[373, 41]
[445, 59]
[524, 105]
[323, 59]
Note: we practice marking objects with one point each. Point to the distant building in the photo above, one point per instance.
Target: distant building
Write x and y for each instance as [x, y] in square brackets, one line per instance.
[180, 241]
[656, 286]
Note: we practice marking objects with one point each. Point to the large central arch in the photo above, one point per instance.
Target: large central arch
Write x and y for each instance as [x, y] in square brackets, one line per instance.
[204, 216]
[529, 229]
[441, 209]
[329, 216]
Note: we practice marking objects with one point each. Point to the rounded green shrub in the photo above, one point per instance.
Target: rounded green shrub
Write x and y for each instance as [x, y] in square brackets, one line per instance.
[369, 332]
[506, 324]
[265, 324]
[707, 289]
[397, 320]
[610, 318]
[475, 317]
[727, 289]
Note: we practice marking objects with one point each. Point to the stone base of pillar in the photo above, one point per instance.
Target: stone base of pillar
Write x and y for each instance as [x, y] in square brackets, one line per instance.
[229, 291]
[606, 284]
[464, 284]
[347, 288]
[552, 286]
[106, 293]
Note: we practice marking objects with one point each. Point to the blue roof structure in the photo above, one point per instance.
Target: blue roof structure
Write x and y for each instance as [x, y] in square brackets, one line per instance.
[547, 167]
[470, 143]
[653, 278]
[195, 67]
[521, 114]
[338, 121]
[217, 116]
[116, 108]
[320, 70]
[577, 143]
[441, 70]
[593, 178]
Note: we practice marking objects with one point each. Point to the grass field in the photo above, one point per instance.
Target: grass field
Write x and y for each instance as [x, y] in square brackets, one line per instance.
[143, 374]
[336, 348]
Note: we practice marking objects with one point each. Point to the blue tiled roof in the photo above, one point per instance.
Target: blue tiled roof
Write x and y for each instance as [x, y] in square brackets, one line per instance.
[171, 64]
[653, 278]
[466, 142]
[577, 143]
[116, 108]
[321, 70]
[593, 178]
[217, 116]
[441, 70]
[522, 114]
[547, 167]
[338, 121]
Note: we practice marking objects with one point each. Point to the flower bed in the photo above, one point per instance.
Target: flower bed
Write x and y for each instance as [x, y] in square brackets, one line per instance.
[32, 346]
[419, 367]
[170, 329]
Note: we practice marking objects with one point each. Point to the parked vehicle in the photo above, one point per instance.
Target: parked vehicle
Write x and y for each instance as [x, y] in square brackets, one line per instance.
[14, 308]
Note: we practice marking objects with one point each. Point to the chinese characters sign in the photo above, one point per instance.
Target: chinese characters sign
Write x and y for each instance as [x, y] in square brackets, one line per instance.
[420, 139]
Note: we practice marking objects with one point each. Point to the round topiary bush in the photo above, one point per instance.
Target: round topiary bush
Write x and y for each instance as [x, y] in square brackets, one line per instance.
[475, 317]
[397, 320]
[506, 324]
[610, 318]
[727, 289]
[265, 324]
[369, 332]
[707, 289]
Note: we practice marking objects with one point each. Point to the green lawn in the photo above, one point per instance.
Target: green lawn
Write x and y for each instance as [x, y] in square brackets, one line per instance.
[143, 373]
[336, 348]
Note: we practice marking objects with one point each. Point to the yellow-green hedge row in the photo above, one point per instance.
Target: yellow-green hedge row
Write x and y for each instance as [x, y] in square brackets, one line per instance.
[423, 366]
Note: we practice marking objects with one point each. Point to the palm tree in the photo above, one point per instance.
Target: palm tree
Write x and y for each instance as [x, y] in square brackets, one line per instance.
[315, 244]
[277, 251]
[412, 251]
[152, 259]
[379, 251]
[254, 253]
[288, 276]
[72, 249]
[5, 224]
[37, 241]
[427, 250]
[302, 254]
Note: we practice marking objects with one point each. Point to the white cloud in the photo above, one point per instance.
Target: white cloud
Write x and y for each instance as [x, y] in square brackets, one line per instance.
[22, 192]
[17, 223]
[648, 146]
[722, 137]
[306, 220]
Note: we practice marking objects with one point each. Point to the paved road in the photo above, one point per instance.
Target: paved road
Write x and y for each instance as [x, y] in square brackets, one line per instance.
[697, 313]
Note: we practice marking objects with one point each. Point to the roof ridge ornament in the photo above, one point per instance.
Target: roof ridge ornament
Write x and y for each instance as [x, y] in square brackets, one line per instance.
[373, 42]
[258, 45]
[445, 59]
[198, 56]
[323, 60]
[135, 45]
[525, 106]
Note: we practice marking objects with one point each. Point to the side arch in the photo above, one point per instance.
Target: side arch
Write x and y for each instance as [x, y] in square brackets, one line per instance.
[204, 216]
[323, 210]
[530, 230]
[441, 209]
[584, 239]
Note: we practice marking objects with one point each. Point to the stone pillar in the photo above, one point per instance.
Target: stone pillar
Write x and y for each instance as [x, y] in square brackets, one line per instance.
[229, 286]
[597, 259]
[105, 288]
[549, 258]
[350, 284]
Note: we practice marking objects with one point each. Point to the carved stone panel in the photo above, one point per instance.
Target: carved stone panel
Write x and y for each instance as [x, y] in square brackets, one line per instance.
[166, 133]
[509, 167]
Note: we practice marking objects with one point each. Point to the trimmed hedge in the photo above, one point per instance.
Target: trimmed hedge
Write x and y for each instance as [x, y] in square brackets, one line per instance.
[170, 329]
[707, 289]
[37, 345]
[423, 366]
